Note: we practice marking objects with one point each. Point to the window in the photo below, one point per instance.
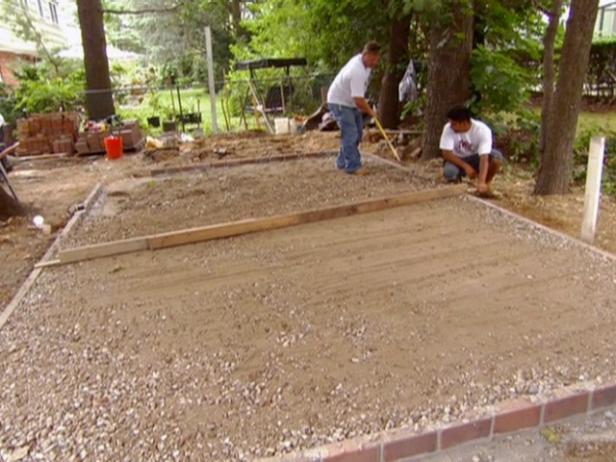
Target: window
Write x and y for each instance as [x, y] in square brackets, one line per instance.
[53, 10]
[40, 8]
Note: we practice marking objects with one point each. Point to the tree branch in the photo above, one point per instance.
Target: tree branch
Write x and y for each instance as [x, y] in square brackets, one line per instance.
[169, 10]
[547, 11]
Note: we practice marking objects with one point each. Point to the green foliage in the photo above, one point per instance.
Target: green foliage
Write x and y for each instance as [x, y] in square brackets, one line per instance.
[502, 83]
[508, 37]
[326, 33]
[41, 90]
[8, 104]
[174, 39]
[517, 134]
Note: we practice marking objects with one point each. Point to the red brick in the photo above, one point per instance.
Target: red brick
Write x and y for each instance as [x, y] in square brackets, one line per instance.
[454, 436]
[604, 397]
[566, 407]
[369, 454]
[130, 138]
[412, 445]
[94, 142]
[523, 415]
[82, 147]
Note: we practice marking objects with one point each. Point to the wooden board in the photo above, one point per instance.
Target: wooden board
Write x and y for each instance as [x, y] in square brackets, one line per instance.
[236, 162]
[237, 228]
[103, 250]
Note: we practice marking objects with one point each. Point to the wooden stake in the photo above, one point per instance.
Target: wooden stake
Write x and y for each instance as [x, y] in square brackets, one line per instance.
[592, 197]
[210, 77]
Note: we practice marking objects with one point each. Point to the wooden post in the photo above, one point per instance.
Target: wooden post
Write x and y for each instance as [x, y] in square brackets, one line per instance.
[210, 76]
[593, 189]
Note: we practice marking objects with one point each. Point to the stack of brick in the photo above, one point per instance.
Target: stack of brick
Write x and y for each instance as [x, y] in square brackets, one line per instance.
[46, 133]
[92, 141]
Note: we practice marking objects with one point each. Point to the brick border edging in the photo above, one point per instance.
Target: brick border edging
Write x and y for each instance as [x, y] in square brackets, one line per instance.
[200, 167]
[507, 417]
[35, 273]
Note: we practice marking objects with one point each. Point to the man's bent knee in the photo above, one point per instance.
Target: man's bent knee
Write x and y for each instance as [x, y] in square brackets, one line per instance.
[451, 172]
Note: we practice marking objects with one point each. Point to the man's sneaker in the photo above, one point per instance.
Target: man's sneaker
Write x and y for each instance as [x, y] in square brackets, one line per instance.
[361, 172]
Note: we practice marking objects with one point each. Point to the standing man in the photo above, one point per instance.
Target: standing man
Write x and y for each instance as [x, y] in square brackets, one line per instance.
[346, 101]
[467, 149]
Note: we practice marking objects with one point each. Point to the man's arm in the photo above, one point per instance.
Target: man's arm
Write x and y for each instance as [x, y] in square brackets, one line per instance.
[364, 107]
[485, 148]
[449, 156]
[482, 181]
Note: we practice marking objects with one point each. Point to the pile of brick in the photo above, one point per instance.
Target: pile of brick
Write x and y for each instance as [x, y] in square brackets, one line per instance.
[47, 133]
[91, 141]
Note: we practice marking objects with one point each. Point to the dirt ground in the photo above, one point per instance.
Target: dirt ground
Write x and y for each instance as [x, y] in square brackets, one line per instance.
[591, 439]
[271, 342]
[139, 207]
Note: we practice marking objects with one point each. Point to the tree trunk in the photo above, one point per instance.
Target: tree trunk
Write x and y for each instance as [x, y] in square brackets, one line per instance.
[451, 45]
[99, 99]
[397, 62]
[548, 67]
[235, 8]
[557, 161]
[9, 207]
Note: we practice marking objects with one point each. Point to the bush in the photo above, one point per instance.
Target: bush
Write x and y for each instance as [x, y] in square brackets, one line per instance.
[8, 105]
[500, 83]
[42, 90]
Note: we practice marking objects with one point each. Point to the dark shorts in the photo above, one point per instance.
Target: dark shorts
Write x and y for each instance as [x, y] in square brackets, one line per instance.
[453, 172]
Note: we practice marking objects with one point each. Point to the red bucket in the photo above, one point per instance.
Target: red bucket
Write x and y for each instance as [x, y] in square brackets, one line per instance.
[114, 147]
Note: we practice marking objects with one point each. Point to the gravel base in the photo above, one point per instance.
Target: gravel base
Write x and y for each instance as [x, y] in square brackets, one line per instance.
[269, 343]
[134, 208]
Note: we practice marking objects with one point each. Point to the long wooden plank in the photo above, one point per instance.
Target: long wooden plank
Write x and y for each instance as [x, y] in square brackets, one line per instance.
[103, 250]
[207, 233]
[237, 162]
[237, 228]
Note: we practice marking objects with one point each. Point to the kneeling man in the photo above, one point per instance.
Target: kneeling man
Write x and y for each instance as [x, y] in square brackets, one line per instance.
[467, 149]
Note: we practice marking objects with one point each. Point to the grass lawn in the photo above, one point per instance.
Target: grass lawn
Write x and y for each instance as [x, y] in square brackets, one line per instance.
[602, 123]
[165, 104]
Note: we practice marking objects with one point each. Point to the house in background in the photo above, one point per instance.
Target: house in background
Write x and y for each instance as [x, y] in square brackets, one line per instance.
[49, 17]
[606, 20]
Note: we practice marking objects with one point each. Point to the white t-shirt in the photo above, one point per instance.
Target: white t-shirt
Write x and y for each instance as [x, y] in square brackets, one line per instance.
[351, 82]
[478, 140]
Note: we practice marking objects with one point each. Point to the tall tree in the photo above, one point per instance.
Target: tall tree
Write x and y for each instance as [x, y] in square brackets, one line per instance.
[557, 160]
[549, 41]
[451, 43]
[99, 98]
[395, 66]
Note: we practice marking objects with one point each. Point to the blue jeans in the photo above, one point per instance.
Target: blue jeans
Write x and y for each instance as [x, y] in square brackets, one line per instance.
[453, 173]
[351, 123]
